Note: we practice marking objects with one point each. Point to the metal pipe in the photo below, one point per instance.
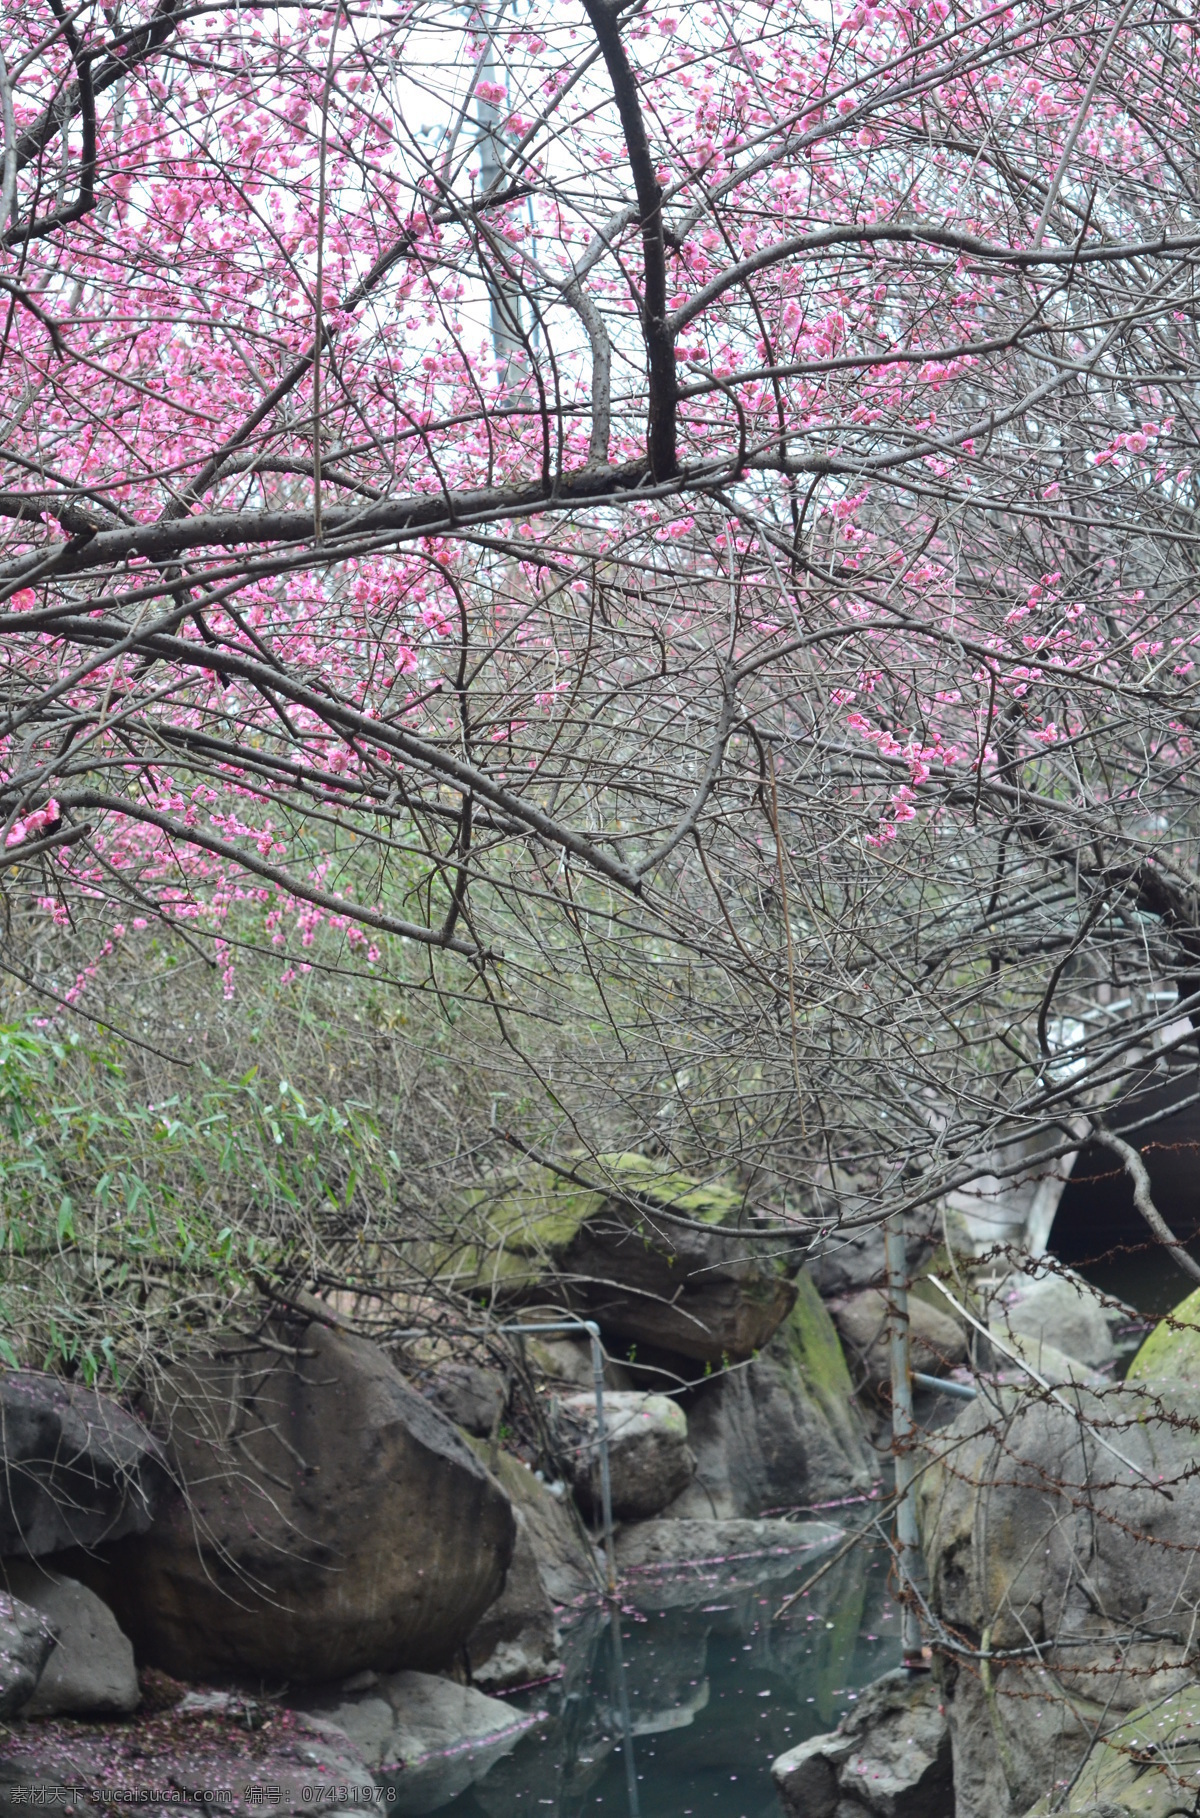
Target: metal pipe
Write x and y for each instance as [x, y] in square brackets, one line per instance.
[610, 1557]
[964, 1391]
[904, 1431]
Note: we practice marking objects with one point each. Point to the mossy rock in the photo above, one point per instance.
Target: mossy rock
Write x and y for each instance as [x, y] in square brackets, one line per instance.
[783, 1432]
[691, 1282]
[809, 1340]
[710, 1204]
[1147, 1766]
[1173, 1348]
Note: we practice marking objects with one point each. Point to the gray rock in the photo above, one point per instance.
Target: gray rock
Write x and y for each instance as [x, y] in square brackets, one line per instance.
[1147, 1765]
[937, 1341]
[806, 1776]
[471, 1397]
[653, 1255]
[26, 1643]
[782, 1431]
[566, 1362]
[900, 1764]
[78, 1469]
[1034, 1531]
[668, 1544]
[567, 1564]
[1055, 1309]
[439, 1735]
[661, 1561]
[847, 1261]
[889, 1756]
[1051, 1364]
[233, 1707]
[91, 1671]
[309, 1763]
[650, 1462]
[517, 1638]
[329, 1521]
[324, 1757]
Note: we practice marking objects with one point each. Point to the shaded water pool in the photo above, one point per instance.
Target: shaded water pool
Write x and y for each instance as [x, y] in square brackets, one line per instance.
[714, 1685]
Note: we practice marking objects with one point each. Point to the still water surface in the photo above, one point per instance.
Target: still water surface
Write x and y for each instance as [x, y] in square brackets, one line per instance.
[714, 1685]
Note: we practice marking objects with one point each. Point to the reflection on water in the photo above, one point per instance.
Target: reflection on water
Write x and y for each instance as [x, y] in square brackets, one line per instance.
[715, 1690]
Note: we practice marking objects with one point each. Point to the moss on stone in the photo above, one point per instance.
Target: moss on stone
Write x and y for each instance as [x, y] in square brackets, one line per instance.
[518, 1228]
[539, 1213]
[1146, 1767]
[538, 1216]
[1173, 1348]
[671, 1189]
[809, 1337]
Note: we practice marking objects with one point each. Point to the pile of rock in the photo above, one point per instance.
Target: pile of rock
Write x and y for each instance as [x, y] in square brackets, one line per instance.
[888, 1758]
[233, 1548]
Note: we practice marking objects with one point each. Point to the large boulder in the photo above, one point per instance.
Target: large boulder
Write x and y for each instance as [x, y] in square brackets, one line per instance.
[655, 1256]
[428, 1738]
[327, 1521]
[650, 1462]
[517, 1638]
[1061, 1543]
[1057, 1311]
[78, 1469]
[1147, 1765]
[26, 1643]
[782, 1431]
[889, 1756]
[936, 1341]
[1173, 1348]
[91, 1671]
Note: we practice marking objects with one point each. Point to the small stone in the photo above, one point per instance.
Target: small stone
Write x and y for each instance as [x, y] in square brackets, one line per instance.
[650, 1462]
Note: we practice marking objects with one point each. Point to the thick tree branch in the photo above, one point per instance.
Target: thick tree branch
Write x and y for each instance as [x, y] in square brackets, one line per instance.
[1135, 1167]
[136, 45]
[657, 332]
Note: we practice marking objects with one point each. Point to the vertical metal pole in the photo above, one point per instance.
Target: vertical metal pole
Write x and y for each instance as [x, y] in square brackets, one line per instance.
[593, 1331]
[904, 1428]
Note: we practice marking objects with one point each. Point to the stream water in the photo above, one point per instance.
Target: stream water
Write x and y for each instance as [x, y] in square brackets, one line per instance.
[715, 1687]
